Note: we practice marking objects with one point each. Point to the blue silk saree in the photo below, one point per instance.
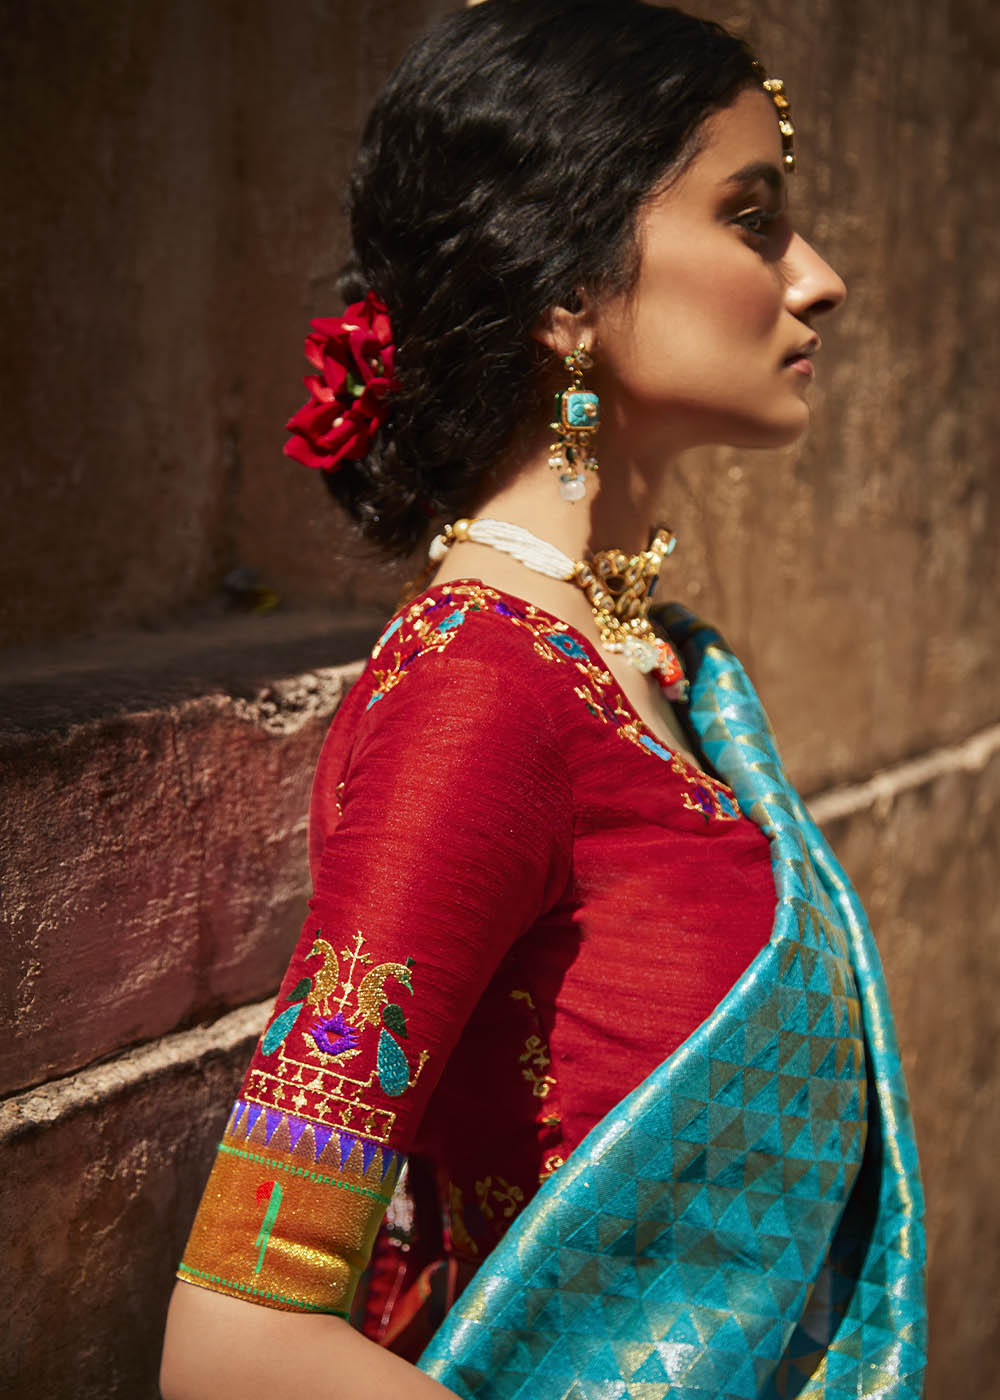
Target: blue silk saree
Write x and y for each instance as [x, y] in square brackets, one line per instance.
[747, 1224]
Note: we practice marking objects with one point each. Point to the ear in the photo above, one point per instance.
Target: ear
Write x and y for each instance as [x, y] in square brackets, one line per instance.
[562, 328]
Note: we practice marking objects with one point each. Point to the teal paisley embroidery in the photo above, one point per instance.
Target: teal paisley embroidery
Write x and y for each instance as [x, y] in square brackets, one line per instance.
[393, 1071]
[389, 632]
[566, 644]
[306, 1051]
[280, 1027]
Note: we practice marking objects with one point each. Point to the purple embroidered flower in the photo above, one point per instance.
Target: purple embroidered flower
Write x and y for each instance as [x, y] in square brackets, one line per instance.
[505, 610]
[704, 800]
[343, 1036]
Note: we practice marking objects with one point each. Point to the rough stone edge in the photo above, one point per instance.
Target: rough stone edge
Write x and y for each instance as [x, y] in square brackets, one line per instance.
[282, 704]
[879, 792]
[50, 1103]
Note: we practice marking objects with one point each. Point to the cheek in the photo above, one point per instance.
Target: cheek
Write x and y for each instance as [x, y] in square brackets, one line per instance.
[689, 316]
[749, 297]
[707, 307]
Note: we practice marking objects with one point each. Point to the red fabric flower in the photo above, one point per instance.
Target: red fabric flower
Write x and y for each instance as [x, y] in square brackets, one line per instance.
[354, 355]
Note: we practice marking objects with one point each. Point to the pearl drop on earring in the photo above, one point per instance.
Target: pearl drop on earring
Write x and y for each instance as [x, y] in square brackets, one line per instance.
[578, 416]
[572, 487]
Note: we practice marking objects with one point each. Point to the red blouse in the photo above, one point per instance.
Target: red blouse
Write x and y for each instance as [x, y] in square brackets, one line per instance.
[523, 902]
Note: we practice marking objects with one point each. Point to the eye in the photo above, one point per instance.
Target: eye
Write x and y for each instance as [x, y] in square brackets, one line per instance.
[757, 222]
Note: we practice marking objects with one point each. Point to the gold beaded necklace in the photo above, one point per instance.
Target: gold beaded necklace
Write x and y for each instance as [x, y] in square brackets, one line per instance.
[618, 587]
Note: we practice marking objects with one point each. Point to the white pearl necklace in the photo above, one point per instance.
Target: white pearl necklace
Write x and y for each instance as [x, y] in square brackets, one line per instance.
[514, 540]
[634, 638]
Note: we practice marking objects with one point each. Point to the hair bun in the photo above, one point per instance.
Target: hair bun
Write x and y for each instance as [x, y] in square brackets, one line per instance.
[484, 192]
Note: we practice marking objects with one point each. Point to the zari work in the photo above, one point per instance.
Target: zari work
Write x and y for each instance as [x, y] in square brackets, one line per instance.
[291, 1211]
[315, 1062]
[433, 620]
[304, 1174]
[747, 1224]
[515, 916]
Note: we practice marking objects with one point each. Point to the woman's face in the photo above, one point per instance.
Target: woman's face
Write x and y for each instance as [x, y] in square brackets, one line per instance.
[713, 343]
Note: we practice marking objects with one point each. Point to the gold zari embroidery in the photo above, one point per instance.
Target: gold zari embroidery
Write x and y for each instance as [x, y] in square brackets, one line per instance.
[343, 1000]
[536, 1059]
[507, 1197]
[289, 1226]
[429, 624]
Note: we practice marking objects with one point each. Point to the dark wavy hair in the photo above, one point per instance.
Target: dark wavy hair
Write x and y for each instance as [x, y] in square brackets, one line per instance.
[501, 170]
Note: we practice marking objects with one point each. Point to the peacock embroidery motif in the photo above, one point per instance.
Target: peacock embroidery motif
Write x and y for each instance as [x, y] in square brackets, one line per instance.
[327, 1020]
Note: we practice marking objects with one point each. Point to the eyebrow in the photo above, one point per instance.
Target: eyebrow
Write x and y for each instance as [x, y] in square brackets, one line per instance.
[758, 170]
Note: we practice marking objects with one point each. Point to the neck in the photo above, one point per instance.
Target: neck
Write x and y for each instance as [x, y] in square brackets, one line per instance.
[620, 509]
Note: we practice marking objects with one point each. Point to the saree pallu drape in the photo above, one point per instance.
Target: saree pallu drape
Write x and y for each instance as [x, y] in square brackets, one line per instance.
[747, 1224]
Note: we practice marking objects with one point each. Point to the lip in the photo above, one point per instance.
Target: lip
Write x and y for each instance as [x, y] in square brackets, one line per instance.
[800, 359]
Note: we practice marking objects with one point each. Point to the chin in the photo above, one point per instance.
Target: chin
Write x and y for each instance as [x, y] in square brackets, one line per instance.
[773, 432]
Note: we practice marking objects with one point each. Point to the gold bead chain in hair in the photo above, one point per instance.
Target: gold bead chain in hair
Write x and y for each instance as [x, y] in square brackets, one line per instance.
[775, 89]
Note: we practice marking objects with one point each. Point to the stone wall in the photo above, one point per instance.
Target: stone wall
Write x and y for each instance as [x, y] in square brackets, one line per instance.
[177, 170]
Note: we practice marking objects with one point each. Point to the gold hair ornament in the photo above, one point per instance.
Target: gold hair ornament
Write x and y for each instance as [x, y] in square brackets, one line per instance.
[775, 89]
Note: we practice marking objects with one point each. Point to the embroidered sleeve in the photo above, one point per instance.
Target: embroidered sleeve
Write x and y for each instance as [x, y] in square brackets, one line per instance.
[444, 838]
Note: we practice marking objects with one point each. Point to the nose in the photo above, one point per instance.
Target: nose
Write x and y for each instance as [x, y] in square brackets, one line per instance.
[813, 286]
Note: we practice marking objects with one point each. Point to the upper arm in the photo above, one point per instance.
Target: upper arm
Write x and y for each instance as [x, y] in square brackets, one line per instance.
[216, 1346]
[447, 835]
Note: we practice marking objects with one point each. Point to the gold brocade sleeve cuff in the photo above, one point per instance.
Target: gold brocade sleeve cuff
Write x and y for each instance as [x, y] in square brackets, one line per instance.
[290, 1212]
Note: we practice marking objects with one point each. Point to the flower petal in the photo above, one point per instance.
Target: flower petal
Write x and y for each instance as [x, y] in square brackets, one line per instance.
[355, 358]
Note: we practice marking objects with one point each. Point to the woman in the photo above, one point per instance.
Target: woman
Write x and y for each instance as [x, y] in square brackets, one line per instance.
[574, 945]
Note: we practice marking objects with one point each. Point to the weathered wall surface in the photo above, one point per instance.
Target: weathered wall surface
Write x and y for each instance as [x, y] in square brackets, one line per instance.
[174, 177]
[176, 172]
[105, 1168]
[158, 854]
[884, 525]
[933, 895]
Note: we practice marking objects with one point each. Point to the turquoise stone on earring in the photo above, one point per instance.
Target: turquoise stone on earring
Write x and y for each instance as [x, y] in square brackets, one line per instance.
[580, 409]
[577, 417]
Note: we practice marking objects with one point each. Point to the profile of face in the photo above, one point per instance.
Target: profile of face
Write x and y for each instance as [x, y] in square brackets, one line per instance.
[714, 342]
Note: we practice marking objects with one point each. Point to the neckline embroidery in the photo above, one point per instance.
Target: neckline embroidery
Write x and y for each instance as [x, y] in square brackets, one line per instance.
[554, 639]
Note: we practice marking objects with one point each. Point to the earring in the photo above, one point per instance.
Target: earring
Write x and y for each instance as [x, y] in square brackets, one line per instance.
[578, 416]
